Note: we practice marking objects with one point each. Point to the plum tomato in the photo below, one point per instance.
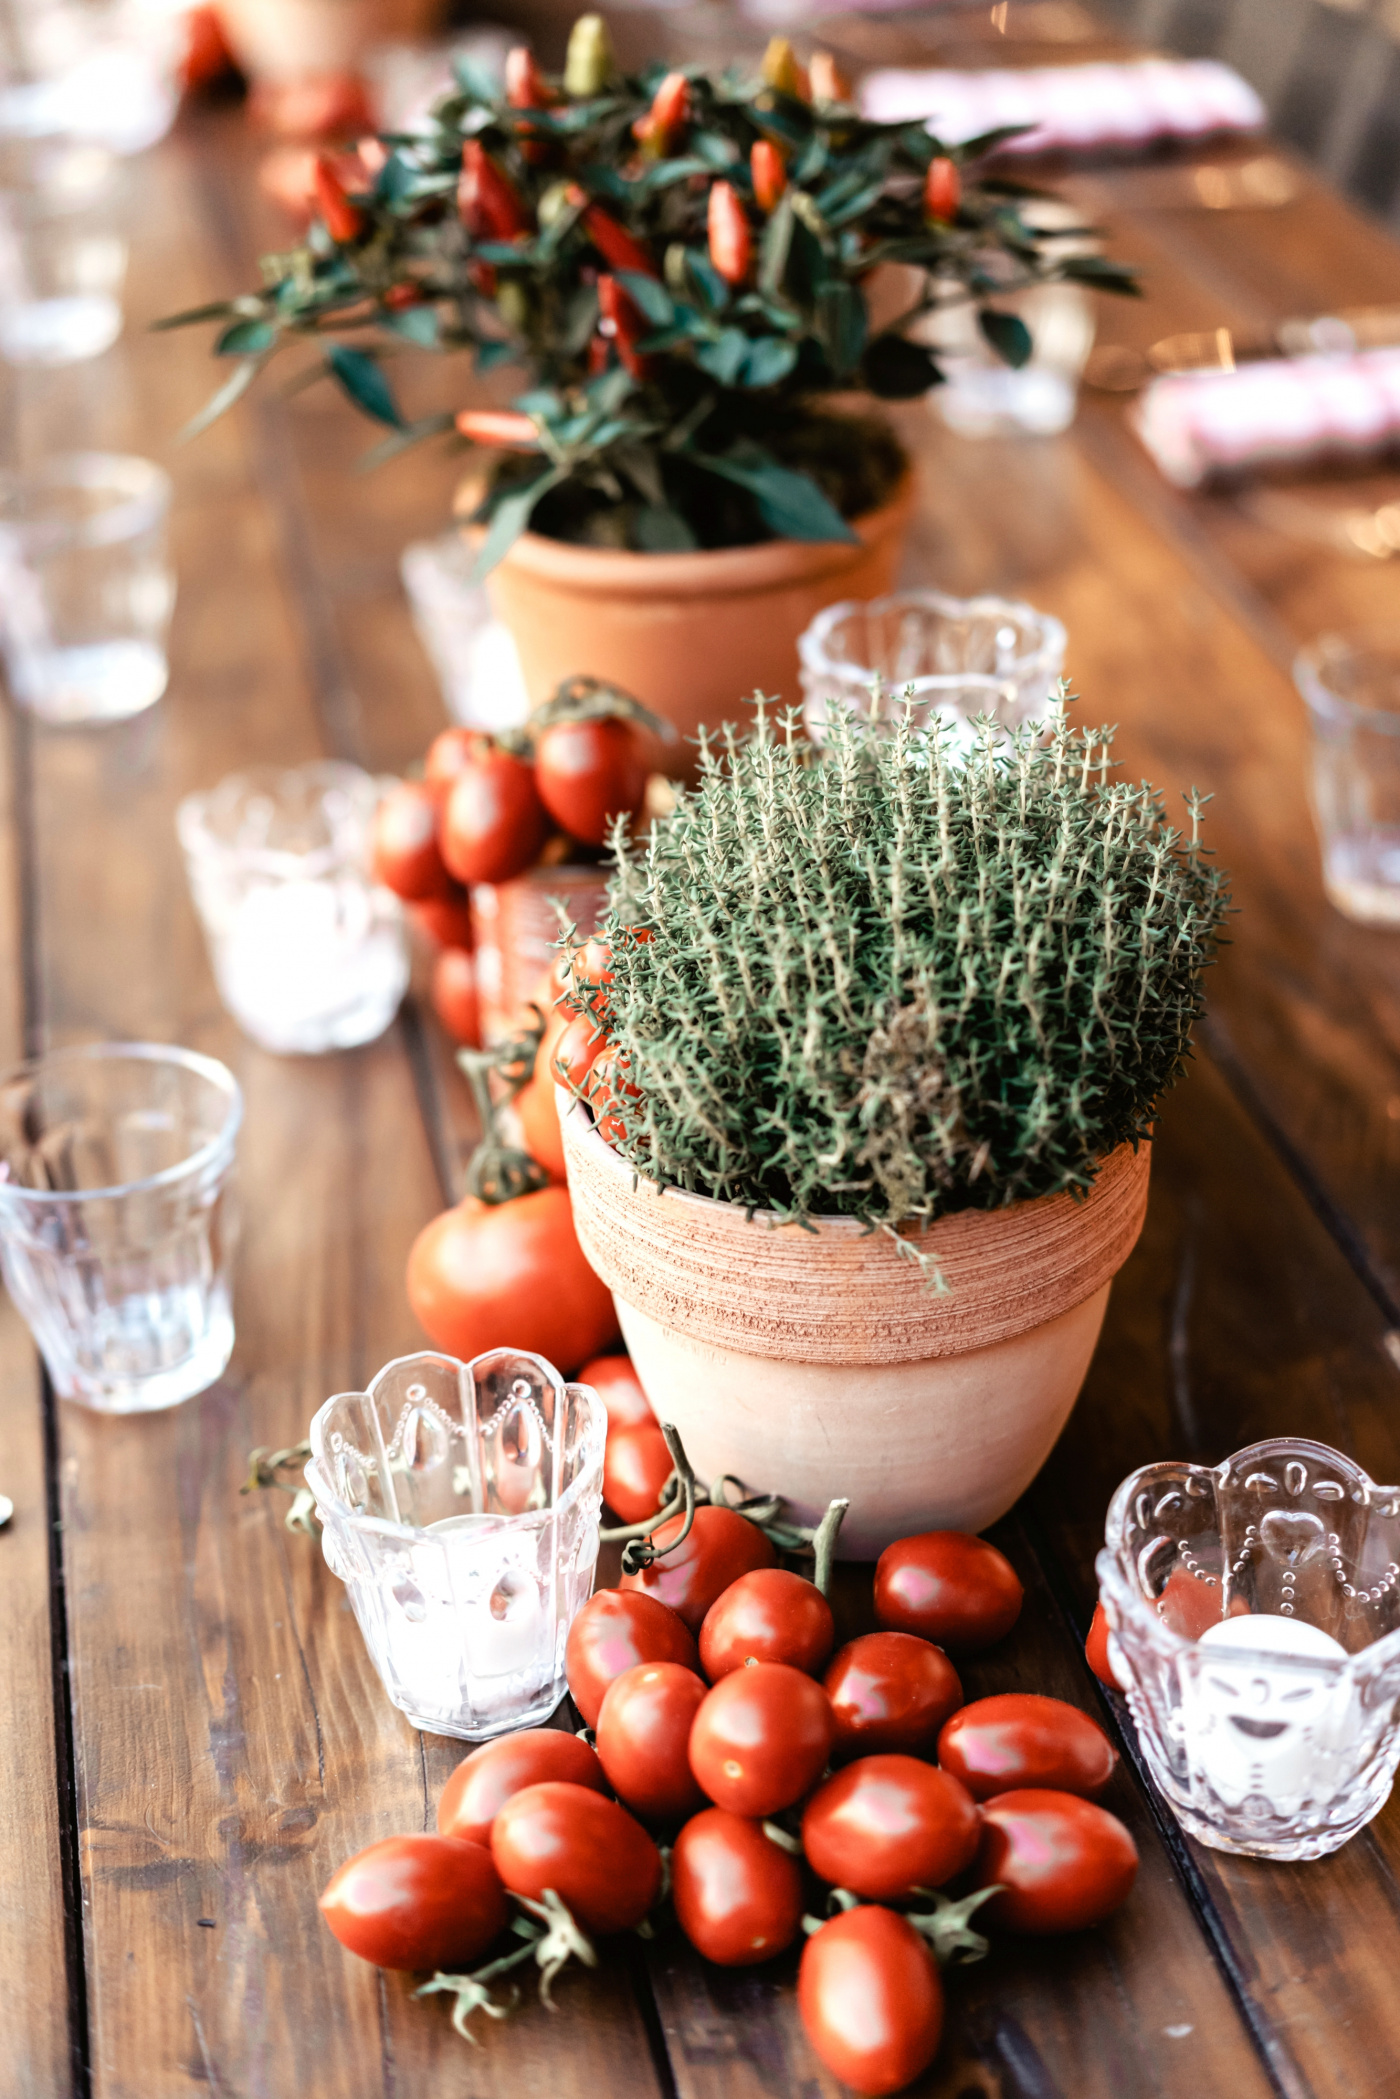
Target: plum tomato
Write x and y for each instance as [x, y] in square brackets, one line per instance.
[449, 753]
[403, 846]
[446, 919]
[484, 1781]
[636, 1467]
[643, 1736]
[1004, 1744]
[589, 772]
[577, 1050]
[947, 1586]
[890, 1692]
[767, 1616]
[454, 995]
[417, 1902]
[493, 821]
[620, 1389]
[509, 1275]
[721, 1546]
[871, 2000]
[598, 1859]
[1063, 1863]
[738, 1895]
[761, 1738]
[614, 1631]
[889, 1824]
[1096, 1649]
[539, 1125]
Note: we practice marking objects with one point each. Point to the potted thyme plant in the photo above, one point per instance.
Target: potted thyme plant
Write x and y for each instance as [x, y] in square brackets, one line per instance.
[683, 264]
[865, 1133]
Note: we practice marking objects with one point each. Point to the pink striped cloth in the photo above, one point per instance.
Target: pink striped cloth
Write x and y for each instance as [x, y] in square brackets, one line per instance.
[1072, 108]
[1292, 409]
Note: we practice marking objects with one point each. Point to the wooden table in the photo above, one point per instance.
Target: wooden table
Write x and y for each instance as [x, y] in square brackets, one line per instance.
[193, 1736]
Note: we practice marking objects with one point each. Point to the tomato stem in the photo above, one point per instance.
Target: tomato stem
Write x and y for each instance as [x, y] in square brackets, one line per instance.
[263, 1468]
[583, 699]
[947, 1927]
[497, 1171]
[824, 1542]
[642, 1553]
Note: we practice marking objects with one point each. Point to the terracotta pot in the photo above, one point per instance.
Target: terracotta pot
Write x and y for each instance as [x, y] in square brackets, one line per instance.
[814, 1364]
[516, 925]
[692, 635]
[278, 40]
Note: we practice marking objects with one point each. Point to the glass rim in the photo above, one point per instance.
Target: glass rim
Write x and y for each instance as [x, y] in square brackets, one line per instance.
[142, 489]
[199, 840]
[1322, 698]
[1052, 636]
[208, 1068]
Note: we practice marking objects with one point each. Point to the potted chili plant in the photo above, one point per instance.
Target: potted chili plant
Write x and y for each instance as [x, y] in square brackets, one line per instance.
[683, 263]
[863, 1098]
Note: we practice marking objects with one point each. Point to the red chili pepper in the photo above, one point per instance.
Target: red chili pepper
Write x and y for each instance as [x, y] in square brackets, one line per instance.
[526, 88]
[499, 426]
[731, 243]
[667, 118]
[942, 191]
[399, 296]
[486, 198]
[344, 220]
[768, 172]
[613, 242]
[625, 323]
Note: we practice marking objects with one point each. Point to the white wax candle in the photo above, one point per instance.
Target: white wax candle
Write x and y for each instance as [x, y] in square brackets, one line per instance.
[1267, 1727]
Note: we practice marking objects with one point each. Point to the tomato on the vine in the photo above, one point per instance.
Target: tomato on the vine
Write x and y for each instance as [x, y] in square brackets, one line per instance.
[947, 1586]
[417, 1902]
[721, 1546]
[1004, 1744]
[577, 1050]
[636, 1467]
[643, 1734]
[890, 1692]
[512, 1275]
[614, 1631]
[403, 849]
[1062, 1863]
[618, 1386]
[449, 754]
[761, 1739]
[889, 1824]
[871, 2000]
[598, 1859]
[738, 1895]
[493, 821]
[454, 995]
[447, 919]
[1096, 1649]
[483, 1782]
[767, 1616]
[588, 773]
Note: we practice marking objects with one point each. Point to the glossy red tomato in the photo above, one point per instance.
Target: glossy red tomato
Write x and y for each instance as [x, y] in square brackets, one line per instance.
[447, 919]
[1064, 1863]
[493, 821]
[1096, 1649]
[598, 1859]
[1003, 1744]
[618, 1386]
[767, 1616]
[761, 1739]
[889, 1824]
[614, 1631]
[484, 1781]
[738, 1895]
[613, 1094]
[449, 753]
[635, 1470]
[643, 1736]
[1189, 1605]
[454, 995]
[871, 2000]
[890, 1692]
[417, 1902]
[589, 772]
[947, 1586]
[578, 1050]
[539, 1125]
[403, 847]
[721, 1546]
[510, 1275]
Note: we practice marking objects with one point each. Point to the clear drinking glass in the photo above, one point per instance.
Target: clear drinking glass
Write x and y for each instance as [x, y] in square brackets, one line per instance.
[476, 660]
[459, 1505]
[86, 591]
[960, 657]
[1351, 683]
[117, 1220]
[62, 264]
[309, 953]
[1281, 1741]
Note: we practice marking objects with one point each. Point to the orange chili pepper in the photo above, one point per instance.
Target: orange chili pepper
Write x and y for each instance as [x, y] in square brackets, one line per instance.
[614, 243]
[828, 82]
[942, 190]
[624, 324]
[731, 243]
[768, 173]
[344, 220]
[487, 199]
[498, 426]
[667, 118]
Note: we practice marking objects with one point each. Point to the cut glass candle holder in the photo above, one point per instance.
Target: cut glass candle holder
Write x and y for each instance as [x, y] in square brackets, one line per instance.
[1284, 1744]
[459, 1505]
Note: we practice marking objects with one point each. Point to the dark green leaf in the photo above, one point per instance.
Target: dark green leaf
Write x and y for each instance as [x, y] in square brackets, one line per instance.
[1105, 276]
[475, 82]
[855, 207]
[403, 441]
[580, 320]
[489, 355]
[650, 295]
[711, 287]
[715, 150]
[841, 326]
[1008, 335]
[988, 141]
[363, 381]
[609, 390]
[245, 339]
[216, 312]
[643, 469]
[769, 360]
[509, 518]
[897, 370]
[773, 250]
[657, 529]
[226, 396]
[419, 325]
[504, 255]
[724, 358]
[789, 502]
[665, 172]
[918, 144]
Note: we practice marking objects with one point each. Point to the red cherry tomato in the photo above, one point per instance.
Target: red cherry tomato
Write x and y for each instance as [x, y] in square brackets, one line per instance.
[206, 57]
[417, 1902]
[721, 1546]
[592, 966]
[947, 1586]
[889, 1824]
[636, 1467]
[761, 1739]
[890, 1692]
[643, 1733]
[614, 1631]
[446, 919]
[509, 1275]
[539, 1125]
[577, 1050]
[1064, 1863]
[588, 773]
[493, 822]
[769, 1616]
[449, 754]
[454, 995]
[871, 2000]
[612, 1094]
[618, 1386]
[1096, 1650]
[1189, 1605]
[738, 1895]
[403, 847]
[598, 1859]
[483, 1782]
[1002, 1745]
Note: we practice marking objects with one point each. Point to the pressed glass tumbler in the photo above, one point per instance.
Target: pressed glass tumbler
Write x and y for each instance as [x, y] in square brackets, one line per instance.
[459, 1505]
[117, 1222]
[1254, 1609]
[62, 263]
[1351, 683]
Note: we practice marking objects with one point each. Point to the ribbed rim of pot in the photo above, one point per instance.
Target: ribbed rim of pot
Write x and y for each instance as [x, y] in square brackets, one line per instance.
[841, 1294]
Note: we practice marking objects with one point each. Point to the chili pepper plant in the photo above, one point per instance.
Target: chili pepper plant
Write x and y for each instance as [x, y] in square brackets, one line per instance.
[682, 262]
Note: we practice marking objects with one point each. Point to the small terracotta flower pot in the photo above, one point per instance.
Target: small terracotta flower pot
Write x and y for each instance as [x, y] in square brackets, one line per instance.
[817, 1363]
[516, 927]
